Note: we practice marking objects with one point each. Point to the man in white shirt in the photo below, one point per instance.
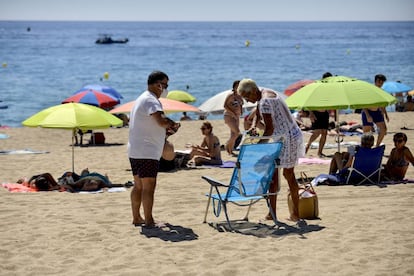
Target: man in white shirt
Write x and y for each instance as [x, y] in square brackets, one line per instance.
[147, 131]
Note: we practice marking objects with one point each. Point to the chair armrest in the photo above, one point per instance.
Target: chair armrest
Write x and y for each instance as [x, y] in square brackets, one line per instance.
[214, 182]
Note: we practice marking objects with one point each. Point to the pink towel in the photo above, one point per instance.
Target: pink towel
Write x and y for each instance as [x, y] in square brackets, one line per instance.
[309, 161]
[18, 188]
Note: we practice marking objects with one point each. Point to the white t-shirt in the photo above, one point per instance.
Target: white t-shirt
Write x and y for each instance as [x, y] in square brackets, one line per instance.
[146, 136]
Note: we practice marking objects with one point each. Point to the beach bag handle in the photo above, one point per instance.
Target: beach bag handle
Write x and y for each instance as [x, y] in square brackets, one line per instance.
[305, 184]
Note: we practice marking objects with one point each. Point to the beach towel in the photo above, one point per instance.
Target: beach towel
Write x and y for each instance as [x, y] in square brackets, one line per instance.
[3, 136]
[109, 190]
[18, 188]
[315, 145]
[225, 165]
[310, 161]
[23, 151]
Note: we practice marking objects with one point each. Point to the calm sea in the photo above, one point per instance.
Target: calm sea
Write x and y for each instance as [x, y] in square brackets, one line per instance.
[43, 66]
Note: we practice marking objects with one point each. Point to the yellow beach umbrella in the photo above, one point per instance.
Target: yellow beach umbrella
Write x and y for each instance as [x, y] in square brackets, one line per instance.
[73, 116]
[181, 96]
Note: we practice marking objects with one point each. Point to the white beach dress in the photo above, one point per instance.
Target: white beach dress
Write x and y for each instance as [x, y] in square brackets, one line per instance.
[285, 125]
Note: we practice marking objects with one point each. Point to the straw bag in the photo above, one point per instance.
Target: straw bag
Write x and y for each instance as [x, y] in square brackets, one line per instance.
[308, 200]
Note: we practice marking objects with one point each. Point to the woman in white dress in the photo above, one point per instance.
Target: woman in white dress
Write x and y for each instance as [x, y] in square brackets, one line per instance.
[278, 120]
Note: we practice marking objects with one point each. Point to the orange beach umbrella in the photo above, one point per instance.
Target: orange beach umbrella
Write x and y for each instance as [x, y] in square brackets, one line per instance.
[169, 106]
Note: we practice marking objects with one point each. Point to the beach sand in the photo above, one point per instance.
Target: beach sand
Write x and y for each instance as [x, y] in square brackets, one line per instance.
[362, 230]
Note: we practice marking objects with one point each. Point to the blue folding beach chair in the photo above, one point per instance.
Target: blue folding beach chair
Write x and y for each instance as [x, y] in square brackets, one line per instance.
[257, 161]
[366, 166]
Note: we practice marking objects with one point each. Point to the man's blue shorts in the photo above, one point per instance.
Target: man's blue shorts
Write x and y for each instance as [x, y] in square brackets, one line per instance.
[376, 115]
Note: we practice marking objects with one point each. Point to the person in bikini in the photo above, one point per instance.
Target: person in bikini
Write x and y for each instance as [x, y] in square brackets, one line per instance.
[233, 108]
[208, 153]
[399, 160]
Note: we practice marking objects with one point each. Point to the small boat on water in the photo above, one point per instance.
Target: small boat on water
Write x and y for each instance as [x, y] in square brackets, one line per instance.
[107, 39]
[3, 106]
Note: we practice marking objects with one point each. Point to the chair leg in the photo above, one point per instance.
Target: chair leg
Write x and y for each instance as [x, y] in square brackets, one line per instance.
[227, 216]
[246, 217]
[272, 213]
[208, 204]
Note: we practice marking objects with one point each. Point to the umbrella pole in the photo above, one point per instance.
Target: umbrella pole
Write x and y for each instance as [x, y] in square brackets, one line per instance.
[73, 150]
[338, 140]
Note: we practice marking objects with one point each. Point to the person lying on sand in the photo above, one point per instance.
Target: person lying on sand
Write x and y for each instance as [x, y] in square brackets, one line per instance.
[40, 182]
[86, 182]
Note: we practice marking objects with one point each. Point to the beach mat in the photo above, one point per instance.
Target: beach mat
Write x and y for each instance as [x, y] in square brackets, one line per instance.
[315, 145]
[99, 145]
[225, 165]
[19, 188]
[22, 151]
[312, 161]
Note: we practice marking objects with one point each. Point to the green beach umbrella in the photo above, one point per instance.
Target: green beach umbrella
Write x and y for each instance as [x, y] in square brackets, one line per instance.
[73, 116]
[181, 96]
[339, 92]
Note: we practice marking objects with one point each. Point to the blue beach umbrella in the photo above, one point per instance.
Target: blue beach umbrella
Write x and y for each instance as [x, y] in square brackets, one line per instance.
[395, 87]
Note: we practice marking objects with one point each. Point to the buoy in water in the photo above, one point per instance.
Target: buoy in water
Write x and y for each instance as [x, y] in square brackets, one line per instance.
[106, 75]
[4, 64]
[297, 46]
[247, 43]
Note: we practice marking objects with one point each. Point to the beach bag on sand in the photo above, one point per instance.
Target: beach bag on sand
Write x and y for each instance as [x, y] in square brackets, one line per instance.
[308, 200]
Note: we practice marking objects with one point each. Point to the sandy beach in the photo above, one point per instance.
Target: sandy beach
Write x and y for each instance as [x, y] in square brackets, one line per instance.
[362, 230]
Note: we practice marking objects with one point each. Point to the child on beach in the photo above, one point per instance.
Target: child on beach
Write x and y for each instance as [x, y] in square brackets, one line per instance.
[399, 160]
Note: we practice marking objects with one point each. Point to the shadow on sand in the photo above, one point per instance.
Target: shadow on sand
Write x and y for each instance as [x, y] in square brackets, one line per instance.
[172, 233]
[262, 230]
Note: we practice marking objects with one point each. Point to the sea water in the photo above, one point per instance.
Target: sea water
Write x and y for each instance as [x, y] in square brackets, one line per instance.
[47, 63]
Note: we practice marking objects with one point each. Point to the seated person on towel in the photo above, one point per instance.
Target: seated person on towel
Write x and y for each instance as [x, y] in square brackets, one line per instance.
[342, 160]
[209, 152]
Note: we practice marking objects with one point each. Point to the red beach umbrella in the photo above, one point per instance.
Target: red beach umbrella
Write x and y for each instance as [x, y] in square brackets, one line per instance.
[93, 97]
[296, 86]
